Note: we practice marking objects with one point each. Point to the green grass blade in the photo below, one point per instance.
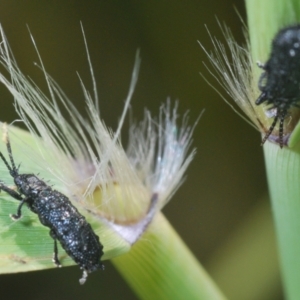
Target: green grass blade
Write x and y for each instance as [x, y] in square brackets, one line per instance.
[265, 18]
[283, 169]
[25, 244]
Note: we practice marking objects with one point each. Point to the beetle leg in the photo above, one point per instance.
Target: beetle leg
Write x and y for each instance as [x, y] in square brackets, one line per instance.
[19, 213]
[10, 191]
[82, 280]
[17, 196]
[55, 252]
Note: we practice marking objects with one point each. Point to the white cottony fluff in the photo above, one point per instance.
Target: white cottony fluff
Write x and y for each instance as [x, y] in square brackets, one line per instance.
[95, 164]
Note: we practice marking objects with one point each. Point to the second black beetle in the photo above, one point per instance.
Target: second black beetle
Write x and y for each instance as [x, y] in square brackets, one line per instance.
[280, 82]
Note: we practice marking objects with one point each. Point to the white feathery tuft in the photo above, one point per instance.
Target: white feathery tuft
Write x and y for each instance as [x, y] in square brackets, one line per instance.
[99, 174]
[232, 68]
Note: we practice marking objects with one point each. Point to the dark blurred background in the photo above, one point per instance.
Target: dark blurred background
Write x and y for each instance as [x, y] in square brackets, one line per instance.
[226, 181]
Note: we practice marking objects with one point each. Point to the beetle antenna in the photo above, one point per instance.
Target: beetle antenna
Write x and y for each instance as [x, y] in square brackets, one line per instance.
[12, 169]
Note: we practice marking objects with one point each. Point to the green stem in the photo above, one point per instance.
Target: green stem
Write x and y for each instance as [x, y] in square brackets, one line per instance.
[283, 168]
[160, 266]
[265, 18]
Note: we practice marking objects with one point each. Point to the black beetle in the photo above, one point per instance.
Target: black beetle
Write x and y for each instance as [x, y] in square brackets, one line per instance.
[280, 82]
[56, 211]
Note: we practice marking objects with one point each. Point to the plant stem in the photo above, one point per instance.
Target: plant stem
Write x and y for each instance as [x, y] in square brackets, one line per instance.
[265, 18]
[160, 266]
[283, 168]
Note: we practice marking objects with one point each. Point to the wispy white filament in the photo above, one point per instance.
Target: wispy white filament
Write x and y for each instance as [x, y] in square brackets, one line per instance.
[232, 69]
[158, 150]
[94, 163]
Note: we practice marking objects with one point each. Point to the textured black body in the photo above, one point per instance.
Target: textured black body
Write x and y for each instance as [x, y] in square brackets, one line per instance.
[66, 224]
[56, 211]
[280, 81]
